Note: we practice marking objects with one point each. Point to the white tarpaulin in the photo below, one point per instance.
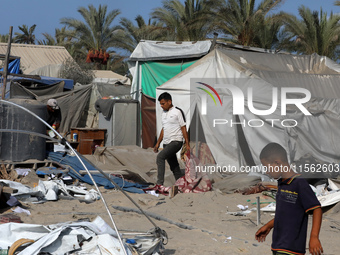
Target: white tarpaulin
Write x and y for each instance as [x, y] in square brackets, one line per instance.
[317, 134]
[156, 50]
[326, 196]
[62, 238]
[167, 53]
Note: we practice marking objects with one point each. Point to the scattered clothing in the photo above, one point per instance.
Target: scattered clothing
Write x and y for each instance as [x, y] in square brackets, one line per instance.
[193, 181]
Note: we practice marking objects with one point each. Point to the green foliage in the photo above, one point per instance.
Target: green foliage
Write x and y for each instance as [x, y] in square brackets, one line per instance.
[143, 31]
[118, 65]
[27, 36]
[4, 38]
[97, 31]
[315, 32]
[62, 37]
[244, 23]
[79, 74]
[190, 21]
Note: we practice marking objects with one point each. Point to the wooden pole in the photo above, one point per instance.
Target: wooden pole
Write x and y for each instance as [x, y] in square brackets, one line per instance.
[6, 62]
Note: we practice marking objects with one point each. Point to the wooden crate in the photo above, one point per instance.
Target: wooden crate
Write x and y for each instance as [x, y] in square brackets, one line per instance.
[88, 138]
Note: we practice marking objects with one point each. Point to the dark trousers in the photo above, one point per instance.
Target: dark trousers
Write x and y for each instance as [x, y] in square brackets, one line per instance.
[168, 153]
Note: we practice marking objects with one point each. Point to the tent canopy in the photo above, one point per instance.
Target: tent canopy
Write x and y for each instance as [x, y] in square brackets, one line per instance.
[152, 63]
[155, 50]
[299, 134]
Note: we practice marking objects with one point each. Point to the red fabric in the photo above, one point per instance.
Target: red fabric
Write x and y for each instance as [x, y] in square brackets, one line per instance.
[193, 181]
[160, 189]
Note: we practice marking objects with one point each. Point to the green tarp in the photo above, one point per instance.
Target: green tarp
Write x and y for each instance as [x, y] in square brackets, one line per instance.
[155, 74]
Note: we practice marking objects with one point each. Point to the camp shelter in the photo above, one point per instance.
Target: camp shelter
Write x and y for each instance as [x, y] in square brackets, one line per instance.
[109, 77]
[77, 105]
[33, 57]
[237, 139]
[151, 64]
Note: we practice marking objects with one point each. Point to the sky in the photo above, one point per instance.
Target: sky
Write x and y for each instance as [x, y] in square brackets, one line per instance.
[46, 14]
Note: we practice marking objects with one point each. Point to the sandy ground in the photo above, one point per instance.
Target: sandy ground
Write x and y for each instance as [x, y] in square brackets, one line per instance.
[215, 231]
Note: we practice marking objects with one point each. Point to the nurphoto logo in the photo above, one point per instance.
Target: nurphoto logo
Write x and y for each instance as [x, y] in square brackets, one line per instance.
[245, 99]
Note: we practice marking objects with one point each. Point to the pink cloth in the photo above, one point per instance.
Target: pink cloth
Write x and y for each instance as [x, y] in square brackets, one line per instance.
[193, 181]
[160, 189]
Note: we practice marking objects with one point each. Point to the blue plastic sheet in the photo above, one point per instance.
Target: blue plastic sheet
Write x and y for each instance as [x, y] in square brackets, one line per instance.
[76, 166]
[13, 66]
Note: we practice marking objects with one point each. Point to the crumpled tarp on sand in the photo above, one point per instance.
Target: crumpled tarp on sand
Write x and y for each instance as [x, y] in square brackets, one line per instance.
[98, 237]
[76, 166]
[130, 161]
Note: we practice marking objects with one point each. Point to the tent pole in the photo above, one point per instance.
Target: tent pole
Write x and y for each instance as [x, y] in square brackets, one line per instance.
[6, 62]
[237, 143]
[196, 134]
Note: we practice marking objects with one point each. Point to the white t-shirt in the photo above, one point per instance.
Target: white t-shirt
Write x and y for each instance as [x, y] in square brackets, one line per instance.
[172, 121]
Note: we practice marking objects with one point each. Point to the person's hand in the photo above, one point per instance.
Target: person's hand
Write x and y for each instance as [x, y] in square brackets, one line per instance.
[261, 234]
[155, 149]
[315, 247]
[187, 145]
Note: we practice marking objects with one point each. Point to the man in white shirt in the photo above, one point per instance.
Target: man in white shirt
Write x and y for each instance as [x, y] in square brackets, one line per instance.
[172, 134]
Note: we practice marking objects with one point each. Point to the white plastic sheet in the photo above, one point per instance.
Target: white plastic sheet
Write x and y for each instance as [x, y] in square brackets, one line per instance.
[63, 238]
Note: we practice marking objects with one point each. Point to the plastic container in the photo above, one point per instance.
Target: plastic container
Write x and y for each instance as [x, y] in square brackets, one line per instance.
[16, 146]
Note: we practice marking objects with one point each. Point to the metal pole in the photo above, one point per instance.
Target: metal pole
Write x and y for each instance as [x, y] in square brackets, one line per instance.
[258, 211]
[237, 141]
[6, 62]
[196, 133]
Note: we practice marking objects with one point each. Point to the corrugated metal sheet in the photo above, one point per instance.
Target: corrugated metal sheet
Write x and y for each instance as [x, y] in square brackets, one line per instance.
[36, 56]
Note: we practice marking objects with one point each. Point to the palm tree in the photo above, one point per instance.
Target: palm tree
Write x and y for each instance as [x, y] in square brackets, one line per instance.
[337, 3]
[243, 23]
[4, 38]
[26, 36]
[62, 37]
[96, 32]
[314, 33]
[185, 22]
[143, 30]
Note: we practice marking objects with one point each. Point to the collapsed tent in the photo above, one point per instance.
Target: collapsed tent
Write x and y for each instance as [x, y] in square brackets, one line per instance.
[251, 90]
